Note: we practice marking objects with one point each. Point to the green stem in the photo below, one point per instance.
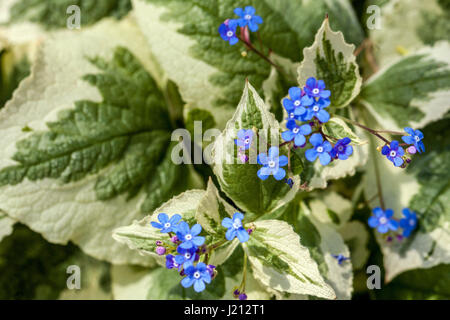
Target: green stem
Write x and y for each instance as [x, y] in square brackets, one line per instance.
[244, 275]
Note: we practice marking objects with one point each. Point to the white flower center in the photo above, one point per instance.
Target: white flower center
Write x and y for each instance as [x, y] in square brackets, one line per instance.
[315, 90]
[383, 220]
[341, 148]
[187, 255]
[237, 224]
[230, 34]
[417, 138]
[167, 225]
[188, 237]
[295, 130]
[296, 103]
[197, 275]
[247, 141]
[175, 264]
[316, 108]
[319, 149]
[412, 222]
[393, 153]
[248, 17]
[291, 115]
[271, 164]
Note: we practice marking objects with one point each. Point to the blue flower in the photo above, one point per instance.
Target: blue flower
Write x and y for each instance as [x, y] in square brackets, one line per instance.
[409, 222]
[189, 237]
[165, 224]
[197, 276]
[171, 262]
[244, 139]
[321, 150]
[340, 258]
[297, 102]
[317, 111]
[342, 150]
[415, 137]
[227, 31]
[382, 220]
[248, 18]
[394, 153]
[186, 256]
[271, 164]
[235, 228]
[296, 133]
[316, 88]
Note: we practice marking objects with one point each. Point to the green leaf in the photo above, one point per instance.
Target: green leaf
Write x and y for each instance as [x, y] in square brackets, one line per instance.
[199, 61]
[52, 13]
[331, 59]
[212, 209]
[89, 141]
[337, 128]
[412, 91]
[279, 260]
[356, 237]
[324, 241]
[426, 22]
[430, 284]
[240, 181]
[423, 187]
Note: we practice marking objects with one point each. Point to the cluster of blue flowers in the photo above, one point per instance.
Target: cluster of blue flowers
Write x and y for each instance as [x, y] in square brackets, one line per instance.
[385, 223]
[396, 154]
[308, 104]
[186, 246]
[247, 19]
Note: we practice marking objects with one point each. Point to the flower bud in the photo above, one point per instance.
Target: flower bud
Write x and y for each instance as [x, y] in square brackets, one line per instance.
[160, 250]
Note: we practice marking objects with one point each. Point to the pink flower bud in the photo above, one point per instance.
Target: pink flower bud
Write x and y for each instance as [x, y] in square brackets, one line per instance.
[411, 150]
[160, 250]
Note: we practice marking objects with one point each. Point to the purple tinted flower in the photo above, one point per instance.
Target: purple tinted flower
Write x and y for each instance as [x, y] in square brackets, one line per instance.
[242, 296]
[236, 293]
[394, 153]
[235, 228]
[316, 88]
[298, 102]
[244, 139]
[243, 157]
[197, 276]
[409, 222]
[174, 239]
[411, 150]
[415, 138]
[272, 164]
[160, 250]
[211, 269]
[186, 256]
[342, 149]
[340, 258]
[383, 220]
[296, 133]
[227, 31]
[248, 18]
[189, 236]
[171, 263]
[321, 149]
[165, 224]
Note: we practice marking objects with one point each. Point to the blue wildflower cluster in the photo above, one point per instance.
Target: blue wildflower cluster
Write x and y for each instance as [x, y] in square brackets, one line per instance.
[385, 223]
[308, 105]
[248, 20]
[186, 247]
[395, 153]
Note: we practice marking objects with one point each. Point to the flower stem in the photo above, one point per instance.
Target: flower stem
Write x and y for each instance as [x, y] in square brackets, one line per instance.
[396, 133]
[244, 274]
[259, 53]
[216, 245]
[372, 131]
